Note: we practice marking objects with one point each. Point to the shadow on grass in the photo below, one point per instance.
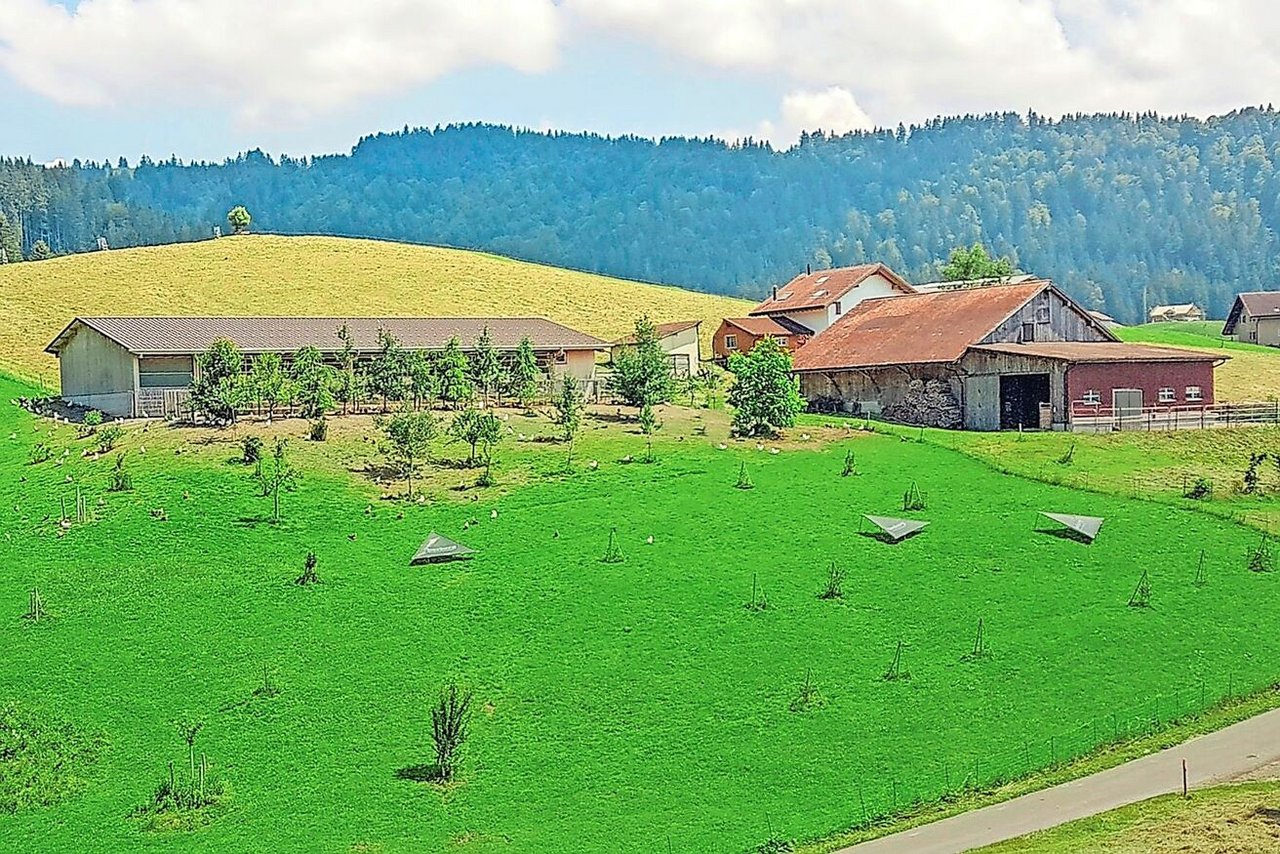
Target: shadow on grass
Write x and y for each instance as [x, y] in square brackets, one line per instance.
[881, 536]
[1268, 814]
[1065, 534]
[427, 772]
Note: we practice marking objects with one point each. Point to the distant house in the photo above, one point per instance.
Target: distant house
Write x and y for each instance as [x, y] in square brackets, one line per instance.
[1175, 313]
[678, 339]
[1106, 319]
[816, 299]
[144, 366]
[740, 334]
[1255, 318]
[989, 358]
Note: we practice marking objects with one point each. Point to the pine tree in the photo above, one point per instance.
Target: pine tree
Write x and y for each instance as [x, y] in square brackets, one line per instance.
[453, 369]
[525, 374]
[486, 367]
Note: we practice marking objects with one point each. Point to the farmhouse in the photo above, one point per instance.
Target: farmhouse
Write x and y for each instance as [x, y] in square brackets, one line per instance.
[1255, 318]
[816, 299]
[143, 366]
[1182, 313]
[1000, 357]
[678, 339]
[740, 334]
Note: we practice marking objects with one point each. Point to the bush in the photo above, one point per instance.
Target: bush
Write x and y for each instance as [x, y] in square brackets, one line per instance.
[250, 450]
[318, 430]
[121, 480]
[108, 436]
[90, 423]
[309, 575]
[39, 453]
[1199, 490]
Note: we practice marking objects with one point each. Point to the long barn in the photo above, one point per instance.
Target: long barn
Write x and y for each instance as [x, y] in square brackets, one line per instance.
[1004, 356]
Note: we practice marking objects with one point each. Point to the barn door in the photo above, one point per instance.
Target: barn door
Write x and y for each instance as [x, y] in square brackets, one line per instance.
[1127, 403]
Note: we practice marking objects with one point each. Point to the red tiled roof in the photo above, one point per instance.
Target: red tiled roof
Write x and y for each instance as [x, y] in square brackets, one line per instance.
[675, 327]
[162, 335]
[822, 287]
[931, 327]
[1257, 303]
[1102, 351]
[768, 325]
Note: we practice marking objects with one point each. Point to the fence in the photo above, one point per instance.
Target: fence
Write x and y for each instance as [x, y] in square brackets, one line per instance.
[954, 774]
[1086, 418]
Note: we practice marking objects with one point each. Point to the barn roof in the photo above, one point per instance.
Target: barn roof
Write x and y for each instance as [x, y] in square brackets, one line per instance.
[1102, 351]
[675, 327]
[778, 325]
[1257, 303]
[820, 288]
[163, 335]
[914, 329]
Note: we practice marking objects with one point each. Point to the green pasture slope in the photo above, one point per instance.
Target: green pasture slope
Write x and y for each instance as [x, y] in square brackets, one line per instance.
[620, 707]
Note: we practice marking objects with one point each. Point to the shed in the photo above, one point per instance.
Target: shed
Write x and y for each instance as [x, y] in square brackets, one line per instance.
[678, 339]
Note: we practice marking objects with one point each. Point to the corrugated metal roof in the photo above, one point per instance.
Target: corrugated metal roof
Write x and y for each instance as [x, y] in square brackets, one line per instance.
[769, 325]
[915, 329]
[157, 335]
[675, 327]
[821, 288]
[1102, 351]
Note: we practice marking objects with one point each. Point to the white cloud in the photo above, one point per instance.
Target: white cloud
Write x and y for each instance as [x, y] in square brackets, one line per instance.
[273, 60]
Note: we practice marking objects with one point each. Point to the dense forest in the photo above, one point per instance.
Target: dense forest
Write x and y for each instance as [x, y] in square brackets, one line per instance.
[1116, 208]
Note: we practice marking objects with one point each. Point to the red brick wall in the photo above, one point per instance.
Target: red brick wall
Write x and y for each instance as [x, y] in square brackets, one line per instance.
[1148, 376]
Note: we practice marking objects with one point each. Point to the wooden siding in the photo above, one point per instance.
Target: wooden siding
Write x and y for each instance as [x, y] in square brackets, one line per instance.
[1067, 322]
[982, 371]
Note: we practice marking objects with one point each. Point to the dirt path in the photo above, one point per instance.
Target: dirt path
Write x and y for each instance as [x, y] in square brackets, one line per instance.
[1237, 751]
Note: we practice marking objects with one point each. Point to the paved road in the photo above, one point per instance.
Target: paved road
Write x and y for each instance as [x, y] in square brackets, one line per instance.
[1223, 755]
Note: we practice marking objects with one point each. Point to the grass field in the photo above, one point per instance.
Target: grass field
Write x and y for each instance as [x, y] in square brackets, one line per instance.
[320, 276]
[635, 706]
[1241, 818]
[1252, 374]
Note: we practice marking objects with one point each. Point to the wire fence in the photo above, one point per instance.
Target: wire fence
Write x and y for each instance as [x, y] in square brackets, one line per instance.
[953, 774]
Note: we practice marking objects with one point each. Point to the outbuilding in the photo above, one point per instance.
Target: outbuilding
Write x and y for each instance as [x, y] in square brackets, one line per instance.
[1255, 318]
[678, 339]
[144, 366]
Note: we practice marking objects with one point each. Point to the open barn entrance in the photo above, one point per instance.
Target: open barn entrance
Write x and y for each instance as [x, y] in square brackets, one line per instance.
[1020, 399]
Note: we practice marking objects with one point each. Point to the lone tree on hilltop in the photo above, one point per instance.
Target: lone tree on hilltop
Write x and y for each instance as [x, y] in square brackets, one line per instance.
[765, 396]
[974, 263]
[238, 218]
[642, 372]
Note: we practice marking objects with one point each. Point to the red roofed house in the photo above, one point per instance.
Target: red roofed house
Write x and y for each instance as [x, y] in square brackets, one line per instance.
[990, 358]
[1255, 318]
[740, 334]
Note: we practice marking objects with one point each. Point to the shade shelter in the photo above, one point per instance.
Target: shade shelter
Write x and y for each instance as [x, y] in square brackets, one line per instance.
[440, 549]
[1085, 526]
[896, 529]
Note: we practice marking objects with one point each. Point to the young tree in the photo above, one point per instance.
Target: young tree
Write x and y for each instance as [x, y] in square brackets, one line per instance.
[455, 387]
[40, 251]
[409, 434]
[347, 388]
[486, 366]
[450, 719]
[642, 372]
[569, 407]
[269, 382]
[314, 382]
[525, 374]
[276, 473]
[239, 219]
[648, 426]
[765, 396]
[388, 370]
[466, 427]
[974, 263]
[424, 383]
[218, 390]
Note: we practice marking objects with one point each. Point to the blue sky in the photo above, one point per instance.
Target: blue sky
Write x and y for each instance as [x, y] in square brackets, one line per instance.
[104, 78]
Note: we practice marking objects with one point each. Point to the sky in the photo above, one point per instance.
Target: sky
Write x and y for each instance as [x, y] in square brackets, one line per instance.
[204, 79]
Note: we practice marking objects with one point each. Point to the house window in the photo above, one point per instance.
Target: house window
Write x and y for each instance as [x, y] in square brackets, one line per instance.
[1042, 314]
[1028, 332]
[1167, 395]
[781, 339]
[731, 342]
[562, 357]
[1092, 397]
[1194, 393]
[839, 308]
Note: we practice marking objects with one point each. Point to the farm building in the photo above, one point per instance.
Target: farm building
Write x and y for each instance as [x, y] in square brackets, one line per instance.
[740, 334]
[678, 339]
[1106, 319]
[816, 299]
[1000, 357]
[1183, 313]
[143, 366]
[1255, 318]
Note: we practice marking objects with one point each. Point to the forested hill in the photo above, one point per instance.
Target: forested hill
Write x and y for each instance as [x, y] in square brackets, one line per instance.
[1106, 205]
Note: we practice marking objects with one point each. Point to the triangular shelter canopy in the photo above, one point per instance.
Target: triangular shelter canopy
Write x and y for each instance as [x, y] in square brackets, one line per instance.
[1085, 526]
[438, 549]
[896, 528]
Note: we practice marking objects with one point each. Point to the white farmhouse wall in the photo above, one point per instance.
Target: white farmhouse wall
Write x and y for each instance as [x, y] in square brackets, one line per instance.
[684, 343]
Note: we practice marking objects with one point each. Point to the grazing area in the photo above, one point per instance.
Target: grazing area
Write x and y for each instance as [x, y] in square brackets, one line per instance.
[248, 275]
[1232, 818]
[646, 652]
[1252, 374]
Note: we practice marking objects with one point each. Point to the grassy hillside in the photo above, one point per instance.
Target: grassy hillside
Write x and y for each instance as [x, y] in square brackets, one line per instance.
[318, 276]
[1252, 374]
[639, 703]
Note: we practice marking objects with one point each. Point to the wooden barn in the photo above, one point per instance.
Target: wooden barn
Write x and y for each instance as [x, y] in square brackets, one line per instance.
[1002, 357]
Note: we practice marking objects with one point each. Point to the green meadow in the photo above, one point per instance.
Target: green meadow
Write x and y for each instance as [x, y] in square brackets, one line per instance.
[633, 706]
